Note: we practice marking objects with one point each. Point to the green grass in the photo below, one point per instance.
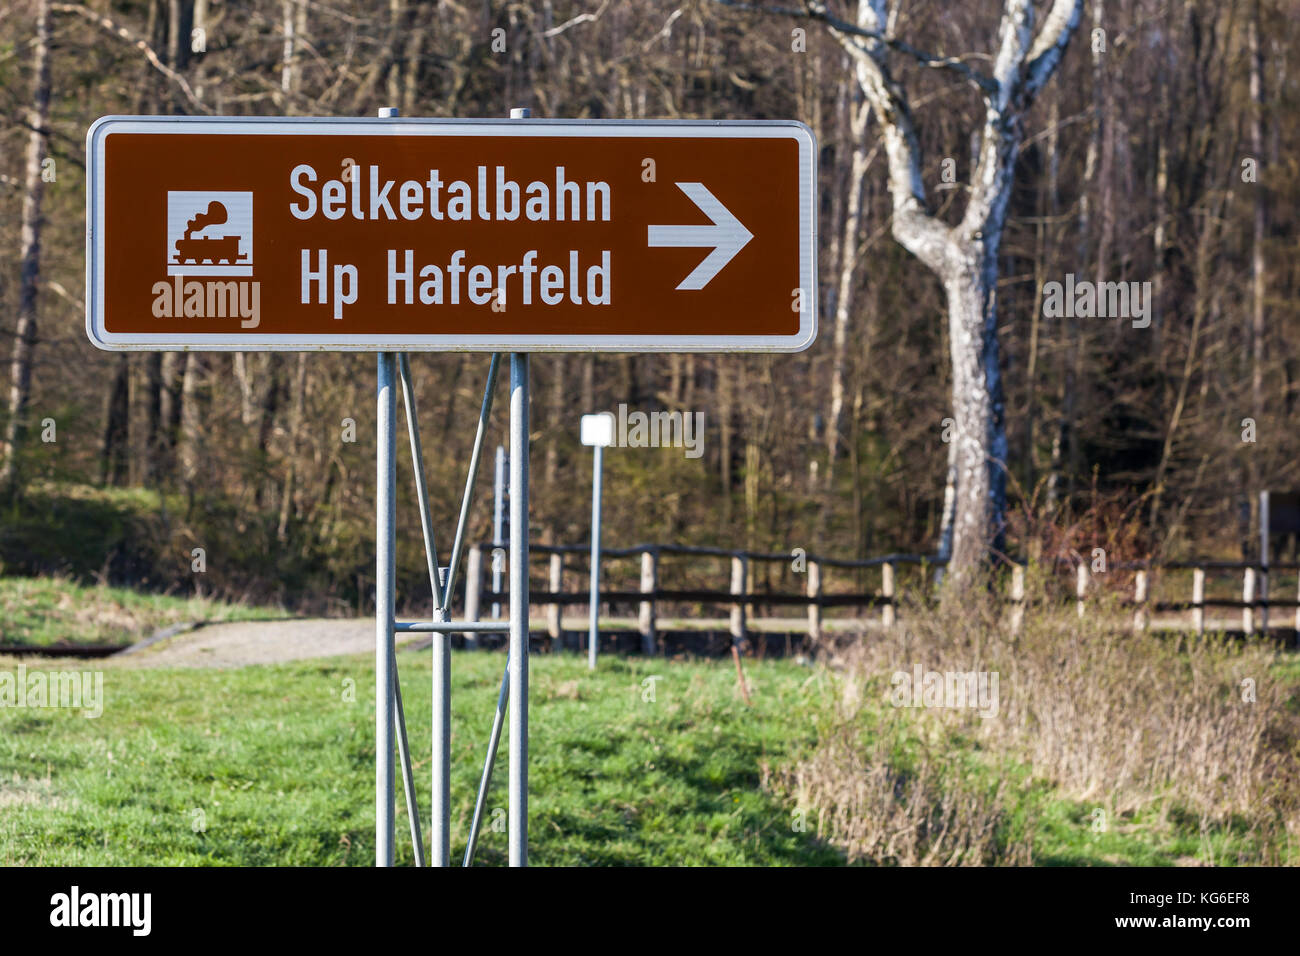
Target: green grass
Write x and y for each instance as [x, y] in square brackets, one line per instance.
[280, 764]
[276, 762]
[1068, 832]
[45, 611]
[79, 531]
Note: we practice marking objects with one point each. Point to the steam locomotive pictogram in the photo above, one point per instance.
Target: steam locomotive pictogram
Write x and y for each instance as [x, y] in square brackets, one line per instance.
[216, 250]
[223, 249]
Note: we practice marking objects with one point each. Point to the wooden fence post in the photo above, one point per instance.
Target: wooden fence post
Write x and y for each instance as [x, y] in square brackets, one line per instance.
[498, 575]
[473, 591]
[1263, 562]
[1140, 599]
[1081, 587]
[1017, 598]
[1198, 600]
[887, 592]
[738, 580]
[814, 605]
[1297, 612]
[646, 609]
[1248, 598]
[1262, 590]
[554, 610]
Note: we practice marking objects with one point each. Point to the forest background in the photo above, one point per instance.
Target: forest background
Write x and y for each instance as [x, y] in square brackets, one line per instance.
[1162, 151]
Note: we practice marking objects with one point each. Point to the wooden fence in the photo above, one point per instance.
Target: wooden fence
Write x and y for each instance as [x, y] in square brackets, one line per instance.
[741, 598]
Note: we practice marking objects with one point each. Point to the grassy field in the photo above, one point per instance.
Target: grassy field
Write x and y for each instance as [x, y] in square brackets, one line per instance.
[274, 765]
[43, 611]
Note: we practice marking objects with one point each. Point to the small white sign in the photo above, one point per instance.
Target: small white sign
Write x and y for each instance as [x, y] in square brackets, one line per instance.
[598, 429]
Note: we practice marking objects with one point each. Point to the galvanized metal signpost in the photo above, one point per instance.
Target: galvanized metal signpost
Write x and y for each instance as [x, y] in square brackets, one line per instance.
[394, 235]
[598, 432]
[498, 526]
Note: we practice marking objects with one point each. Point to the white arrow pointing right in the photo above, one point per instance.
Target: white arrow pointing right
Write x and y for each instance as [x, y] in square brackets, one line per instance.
[727, 236]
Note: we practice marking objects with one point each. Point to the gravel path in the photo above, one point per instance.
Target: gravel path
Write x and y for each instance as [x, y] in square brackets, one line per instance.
[260, 642]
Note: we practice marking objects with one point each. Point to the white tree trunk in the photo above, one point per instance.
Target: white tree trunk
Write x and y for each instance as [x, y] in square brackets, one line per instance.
[972, 414]
[844, 298]
[20, 369]
[1257, 274]
[964, 257]
[191, 426]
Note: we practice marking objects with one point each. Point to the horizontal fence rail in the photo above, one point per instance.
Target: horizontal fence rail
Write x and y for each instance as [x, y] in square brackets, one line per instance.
[647, 600]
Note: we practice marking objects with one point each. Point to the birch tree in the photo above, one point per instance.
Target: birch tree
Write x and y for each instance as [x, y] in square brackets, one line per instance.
[20, 369]
[963, 256]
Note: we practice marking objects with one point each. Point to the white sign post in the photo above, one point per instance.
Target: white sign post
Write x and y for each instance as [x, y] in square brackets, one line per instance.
[598, 432]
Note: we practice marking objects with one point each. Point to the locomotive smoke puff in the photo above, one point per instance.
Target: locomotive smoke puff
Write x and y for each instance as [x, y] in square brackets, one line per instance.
[215, 216]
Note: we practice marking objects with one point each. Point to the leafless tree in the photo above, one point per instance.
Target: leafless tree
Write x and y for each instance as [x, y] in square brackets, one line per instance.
[963, 256]
[20, 367]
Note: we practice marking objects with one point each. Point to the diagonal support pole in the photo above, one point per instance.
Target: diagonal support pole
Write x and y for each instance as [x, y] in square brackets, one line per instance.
[388, 693]
[494, 741]
[443, 588]
[484, 414]
[408, 777]
[421, 487]
[440, 819]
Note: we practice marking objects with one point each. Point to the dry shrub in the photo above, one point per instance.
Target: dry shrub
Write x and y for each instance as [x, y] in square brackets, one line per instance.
[1128, 720]
[858, 800]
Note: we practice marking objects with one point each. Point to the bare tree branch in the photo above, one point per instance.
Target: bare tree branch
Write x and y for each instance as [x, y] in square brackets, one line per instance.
[63, 293]
[580, 18]
[1023, 66]
[666, 31]
[915, 228]
[816, 10]
[1016, 33]
[1049, 47]
[116, 29]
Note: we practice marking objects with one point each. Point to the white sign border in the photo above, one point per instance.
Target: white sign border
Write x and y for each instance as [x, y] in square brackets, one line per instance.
[102, 128]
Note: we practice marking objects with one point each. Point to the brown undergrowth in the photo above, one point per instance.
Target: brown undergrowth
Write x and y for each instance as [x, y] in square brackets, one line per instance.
[1203, 729]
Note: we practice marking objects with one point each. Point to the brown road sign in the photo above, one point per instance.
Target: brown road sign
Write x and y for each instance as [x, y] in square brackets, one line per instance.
[400, 234]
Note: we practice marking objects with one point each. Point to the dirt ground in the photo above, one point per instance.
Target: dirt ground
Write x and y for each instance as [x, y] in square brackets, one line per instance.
[259, 642]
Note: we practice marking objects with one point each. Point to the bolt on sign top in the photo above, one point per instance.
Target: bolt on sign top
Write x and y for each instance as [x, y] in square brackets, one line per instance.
[494, 235]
